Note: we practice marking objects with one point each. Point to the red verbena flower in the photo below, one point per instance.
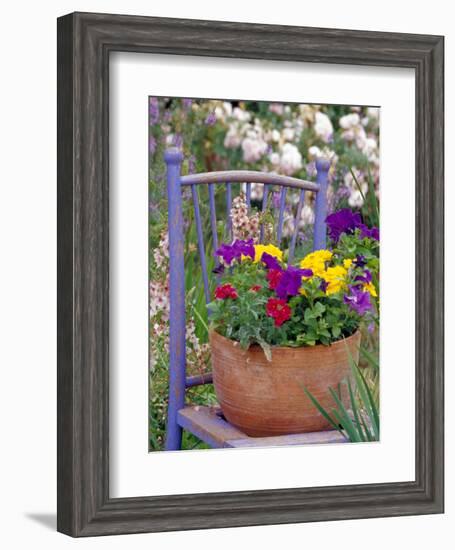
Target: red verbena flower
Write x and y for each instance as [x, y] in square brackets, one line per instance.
[279, 310]
[274, 277]
[256, 288]
[225, 291]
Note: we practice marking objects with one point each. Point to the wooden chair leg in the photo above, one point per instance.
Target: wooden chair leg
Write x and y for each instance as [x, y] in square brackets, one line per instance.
[173, 433]
[177, 323]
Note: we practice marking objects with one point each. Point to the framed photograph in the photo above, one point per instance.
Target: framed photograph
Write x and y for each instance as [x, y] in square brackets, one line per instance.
[250, 274]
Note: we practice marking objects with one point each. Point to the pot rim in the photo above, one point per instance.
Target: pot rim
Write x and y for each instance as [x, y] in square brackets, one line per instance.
[257, 347]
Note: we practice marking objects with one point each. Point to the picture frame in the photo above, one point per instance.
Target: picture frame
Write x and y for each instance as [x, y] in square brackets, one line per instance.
[85, 41]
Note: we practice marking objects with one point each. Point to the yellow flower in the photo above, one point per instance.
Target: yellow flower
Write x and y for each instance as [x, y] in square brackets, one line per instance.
[271, 249]
[369, 287]
[347, 263]
[336, 279]
[316, 261]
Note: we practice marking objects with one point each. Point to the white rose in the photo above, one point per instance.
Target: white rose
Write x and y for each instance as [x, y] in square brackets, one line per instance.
[253, 149]
[274, 158]
[227, 105]
[291, 159]
[370, 148]
[323, 127]
[349, 121]
[373, 112]
[276, 108]
[240, 114]
[232, 139]
[355, 199]
[307, 215]
[288, 134]
[361, 138]
[314, 152]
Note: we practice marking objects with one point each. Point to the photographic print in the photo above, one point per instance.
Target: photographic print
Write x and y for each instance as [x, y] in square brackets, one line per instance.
[263, 273]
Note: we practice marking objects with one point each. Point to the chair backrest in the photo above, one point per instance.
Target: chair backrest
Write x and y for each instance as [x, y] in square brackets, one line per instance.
[175, 184]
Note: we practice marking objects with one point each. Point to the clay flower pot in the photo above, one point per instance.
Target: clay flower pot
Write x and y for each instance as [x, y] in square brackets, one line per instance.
[266, 398]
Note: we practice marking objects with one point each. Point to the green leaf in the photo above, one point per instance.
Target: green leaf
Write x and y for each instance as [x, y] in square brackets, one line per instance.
[346, 419]
[357, 184]
[373, 199]
[355, 411]
[321, 409]
[370, 358]
[368, 401]
[308, 315]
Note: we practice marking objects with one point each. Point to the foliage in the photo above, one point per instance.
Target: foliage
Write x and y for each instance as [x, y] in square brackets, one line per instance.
[361, 422]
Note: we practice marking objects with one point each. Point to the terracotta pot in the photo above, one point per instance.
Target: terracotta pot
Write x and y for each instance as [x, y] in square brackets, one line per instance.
[266, 398]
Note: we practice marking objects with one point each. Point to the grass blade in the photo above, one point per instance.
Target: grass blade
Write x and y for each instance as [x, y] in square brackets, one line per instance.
[356, 181]
[321, 409]
[367, 431]
[368, 401]
[373, 198]
[370, 358]
[355, 411]
[346, 421]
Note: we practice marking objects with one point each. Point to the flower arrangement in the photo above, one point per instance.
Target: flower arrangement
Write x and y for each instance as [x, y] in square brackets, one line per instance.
[263, 299]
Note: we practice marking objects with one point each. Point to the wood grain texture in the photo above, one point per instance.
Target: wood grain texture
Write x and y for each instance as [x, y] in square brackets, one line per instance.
[243, 176]
[84, 44]
[210, 426]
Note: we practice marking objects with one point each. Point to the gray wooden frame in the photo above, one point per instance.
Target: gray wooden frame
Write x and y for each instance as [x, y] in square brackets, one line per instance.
[84, 44]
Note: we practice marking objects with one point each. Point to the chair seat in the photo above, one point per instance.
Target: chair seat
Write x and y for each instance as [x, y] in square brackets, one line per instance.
[209, 425]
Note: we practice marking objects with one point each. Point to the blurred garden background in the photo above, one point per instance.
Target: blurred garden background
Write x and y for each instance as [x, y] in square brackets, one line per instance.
[270, 137]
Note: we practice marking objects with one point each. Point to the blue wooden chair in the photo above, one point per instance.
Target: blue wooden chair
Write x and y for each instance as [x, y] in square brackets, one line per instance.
[207, 423]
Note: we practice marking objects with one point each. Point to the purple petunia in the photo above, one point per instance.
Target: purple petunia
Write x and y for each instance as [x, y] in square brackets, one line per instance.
[366, 232]
[343, 221]
[365, 278]
[246, 247]
[323, 286]
[291, 281]
[360, 261]
[270, 261]
[347, 221]
[358, 300]
[236, 250]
